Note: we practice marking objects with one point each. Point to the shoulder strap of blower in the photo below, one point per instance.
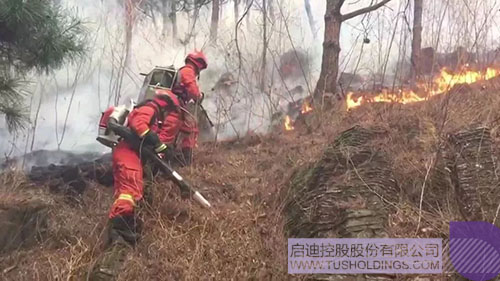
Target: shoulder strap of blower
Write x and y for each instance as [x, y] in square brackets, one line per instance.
[177, 89]
[178, 76]
[159, 114]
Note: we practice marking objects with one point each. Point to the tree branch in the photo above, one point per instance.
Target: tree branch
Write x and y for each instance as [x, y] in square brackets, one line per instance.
[364, 10]
[339, 4]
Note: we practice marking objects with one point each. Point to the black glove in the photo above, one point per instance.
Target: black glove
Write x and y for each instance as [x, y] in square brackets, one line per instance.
[152, 139]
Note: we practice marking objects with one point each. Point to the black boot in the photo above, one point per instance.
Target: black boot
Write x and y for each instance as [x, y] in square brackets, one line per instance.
[187, 154]
[127, 227]
[122, 235]
[110, 263]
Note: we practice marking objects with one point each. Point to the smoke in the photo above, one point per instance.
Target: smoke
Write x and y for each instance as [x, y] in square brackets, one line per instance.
[66, 105]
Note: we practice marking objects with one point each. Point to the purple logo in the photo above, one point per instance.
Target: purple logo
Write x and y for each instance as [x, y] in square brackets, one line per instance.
[475, 249]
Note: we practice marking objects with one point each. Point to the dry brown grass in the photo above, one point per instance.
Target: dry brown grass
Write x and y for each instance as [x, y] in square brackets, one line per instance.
[72, 238]
[416, 134]
[242, 238]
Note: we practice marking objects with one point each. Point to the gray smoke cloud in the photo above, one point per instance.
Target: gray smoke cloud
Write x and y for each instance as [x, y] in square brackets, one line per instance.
[67, 104]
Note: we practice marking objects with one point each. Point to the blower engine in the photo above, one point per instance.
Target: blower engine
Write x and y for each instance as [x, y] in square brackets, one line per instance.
[105, 135]
[158, 78]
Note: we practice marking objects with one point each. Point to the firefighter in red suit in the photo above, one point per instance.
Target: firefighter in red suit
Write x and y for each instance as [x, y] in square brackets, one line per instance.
[186, 89]
[145, 121]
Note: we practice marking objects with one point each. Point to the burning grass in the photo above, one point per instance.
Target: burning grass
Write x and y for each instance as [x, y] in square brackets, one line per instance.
[440, 84]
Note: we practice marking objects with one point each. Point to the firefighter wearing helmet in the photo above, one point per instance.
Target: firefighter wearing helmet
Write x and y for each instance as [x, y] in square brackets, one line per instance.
[145, 120]
[186, 89]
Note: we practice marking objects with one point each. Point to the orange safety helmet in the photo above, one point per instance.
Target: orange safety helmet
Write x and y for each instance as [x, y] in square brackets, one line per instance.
[198, 59]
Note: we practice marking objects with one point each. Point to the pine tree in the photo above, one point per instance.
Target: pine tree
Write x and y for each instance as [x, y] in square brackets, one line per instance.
[35, 35]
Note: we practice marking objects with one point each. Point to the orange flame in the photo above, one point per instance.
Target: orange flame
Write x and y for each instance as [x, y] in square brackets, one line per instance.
[288, 123]
[306, 107]
[441, 84]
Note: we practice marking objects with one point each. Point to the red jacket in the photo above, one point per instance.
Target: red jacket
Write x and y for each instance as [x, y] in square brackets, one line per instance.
[139, 119]
[188, 87]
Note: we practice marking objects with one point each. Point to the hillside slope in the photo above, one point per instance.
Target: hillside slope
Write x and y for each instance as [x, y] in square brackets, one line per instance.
[249, 183]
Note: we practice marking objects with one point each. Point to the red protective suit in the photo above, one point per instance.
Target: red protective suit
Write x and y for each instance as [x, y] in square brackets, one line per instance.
[127, 165]
[178, 121]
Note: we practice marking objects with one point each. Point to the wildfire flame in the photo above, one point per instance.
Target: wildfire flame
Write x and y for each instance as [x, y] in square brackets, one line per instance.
[288, 123]
[441, 84]
[306, 107]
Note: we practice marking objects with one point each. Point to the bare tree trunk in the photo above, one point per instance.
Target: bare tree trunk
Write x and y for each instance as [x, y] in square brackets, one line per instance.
[173, 17]
[270, 8]
[416, 43]
[264, 46]
[249, 9]
[327, 82]
[236, 11]
[164, 17]
[310, 17]
[214, 25]
[130, 17]
[194, 21]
